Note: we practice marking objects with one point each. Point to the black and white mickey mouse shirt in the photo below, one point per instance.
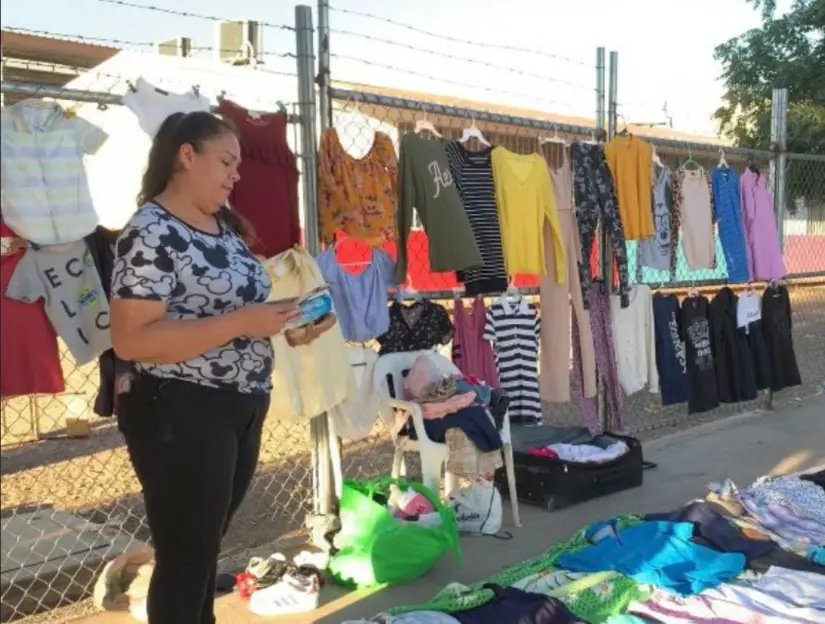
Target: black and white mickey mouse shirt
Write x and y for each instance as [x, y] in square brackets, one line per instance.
[160, 258]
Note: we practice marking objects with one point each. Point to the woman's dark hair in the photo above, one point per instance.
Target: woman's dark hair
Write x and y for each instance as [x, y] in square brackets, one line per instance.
[194, 129]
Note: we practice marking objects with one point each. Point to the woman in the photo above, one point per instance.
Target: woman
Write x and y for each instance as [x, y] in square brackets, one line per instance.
[188, 309]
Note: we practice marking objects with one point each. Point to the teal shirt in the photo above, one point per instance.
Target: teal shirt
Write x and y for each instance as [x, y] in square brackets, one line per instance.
[426, 184]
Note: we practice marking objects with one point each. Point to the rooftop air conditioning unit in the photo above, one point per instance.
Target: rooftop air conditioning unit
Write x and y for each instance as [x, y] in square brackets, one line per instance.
[239, 42]
[179, 46]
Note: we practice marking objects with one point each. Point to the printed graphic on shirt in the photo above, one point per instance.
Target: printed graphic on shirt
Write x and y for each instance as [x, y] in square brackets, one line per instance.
[678, 344]
[197, 274]
[442, 178]
[65, 277]
[698, 333]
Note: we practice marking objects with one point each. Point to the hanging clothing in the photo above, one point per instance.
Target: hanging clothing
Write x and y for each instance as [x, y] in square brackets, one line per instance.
[152, 105]
[631, 162]
[764, 252]
[671, 360]
[634, 338]
[735, 375]
[64, 276]
[418, 327]
[525, 201]
[695, 329]
[595, 198]
[313, 378]
[472, 354]
[749, 326]
[426, 184]
[360, 299]
[514, 327]
[30, 357]
[358, 195]
[694, 205]
[473, 176]
[655, 251]
[777, 325]
[556, 299]
[728, 208]
[267, 192]
[657, 553]
[46, 197]
[602, 330]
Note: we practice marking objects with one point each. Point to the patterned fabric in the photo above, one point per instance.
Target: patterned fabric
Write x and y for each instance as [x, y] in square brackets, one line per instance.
[457, 597]
[358, 195]
[197, 274]
[805, 499]
[418, 327]
[46, 197]
[600, 595]
[595, 198]
[602, 329]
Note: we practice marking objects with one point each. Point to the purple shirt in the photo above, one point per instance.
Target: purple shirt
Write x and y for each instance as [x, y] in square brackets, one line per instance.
[471, 353]
[764, 252]
[360, 300]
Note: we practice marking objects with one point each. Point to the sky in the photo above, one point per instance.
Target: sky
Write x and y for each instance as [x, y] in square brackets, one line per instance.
[665, 47]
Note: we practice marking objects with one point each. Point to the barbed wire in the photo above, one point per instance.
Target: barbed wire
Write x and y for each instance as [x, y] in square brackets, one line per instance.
[478, 44]
[463, 59]
[126, 42]
[213, 18]
[450, 81]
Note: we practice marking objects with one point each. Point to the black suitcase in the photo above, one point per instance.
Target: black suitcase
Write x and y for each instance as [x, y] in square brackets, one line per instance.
[556, 484]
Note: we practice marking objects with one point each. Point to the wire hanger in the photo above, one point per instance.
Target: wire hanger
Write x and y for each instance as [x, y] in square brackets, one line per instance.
[623, 132]
[553, 139]
[473, 133]
[408, 293]
[423, 124]
[591, 141]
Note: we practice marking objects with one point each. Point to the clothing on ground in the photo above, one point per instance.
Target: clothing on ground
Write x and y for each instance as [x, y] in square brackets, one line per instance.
[514, 605]
[661, 554]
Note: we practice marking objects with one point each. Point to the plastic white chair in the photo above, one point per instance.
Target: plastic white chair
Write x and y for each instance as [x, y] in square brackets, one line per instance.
[433, 454]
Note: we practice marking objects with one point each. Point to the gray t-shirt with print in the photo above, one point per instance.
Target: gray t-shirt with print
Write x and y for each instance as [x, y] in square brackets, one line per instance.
[65, 277]
[160, 258]
[655, 252]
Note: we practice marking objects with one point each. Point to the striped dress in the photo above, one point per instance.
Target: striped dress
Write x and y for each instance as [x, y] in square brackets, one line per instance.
[473, 176]
[513, 327]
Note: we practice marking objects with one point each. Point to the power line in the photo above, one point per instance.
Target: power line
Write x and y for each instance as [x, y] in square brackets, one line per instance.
[421, 31]
[126, 42]
[462, 59]
[213, 18]
[449, 81]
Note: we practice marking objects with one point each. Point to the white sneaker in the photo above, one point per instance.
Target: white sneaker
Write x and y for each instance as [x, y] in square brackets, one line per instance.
[292, 594]
[317, 560]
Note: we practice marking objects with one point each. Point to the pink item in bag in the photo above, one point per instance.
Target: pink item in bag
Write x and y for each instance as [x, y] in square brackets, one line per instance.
[411, 503]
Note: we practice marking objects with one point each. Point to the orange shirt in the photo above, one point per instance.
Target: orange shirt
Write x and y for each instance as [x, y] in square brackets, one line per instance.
[358, 195]
[630, 160]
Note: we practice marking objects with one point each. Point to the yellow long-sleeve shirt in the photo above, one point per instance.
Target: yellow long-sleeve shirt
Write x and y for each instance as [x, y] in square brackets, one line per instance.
[630, 161]
[524, 198]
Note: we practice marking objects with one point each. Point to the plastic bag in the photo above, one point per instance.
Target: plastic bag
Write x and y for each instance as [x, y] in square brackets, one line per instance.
[477, 508]
[379, 549]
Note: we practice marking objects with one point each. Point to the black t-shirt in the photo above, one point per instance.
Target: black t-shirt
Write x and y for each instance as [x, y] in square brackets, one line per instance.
[695, 329]
[420, 326]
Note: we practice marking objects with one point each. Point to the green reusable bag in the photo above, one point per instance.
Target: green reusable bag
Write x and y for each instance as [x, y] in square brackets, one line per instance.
[381, 550]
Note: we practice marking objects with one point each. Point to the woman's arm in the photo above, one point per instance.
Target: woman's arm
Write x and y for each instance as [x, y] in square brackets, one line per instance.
[142, 333]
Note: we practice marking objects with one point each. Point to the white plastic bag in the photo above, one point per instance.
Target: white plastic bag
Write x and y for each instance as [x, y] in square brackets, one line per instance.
[477, 507]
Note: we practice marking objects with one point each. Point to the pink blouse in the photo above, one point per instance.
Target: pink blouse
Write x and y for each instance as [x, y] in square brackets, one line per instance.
[471, 353]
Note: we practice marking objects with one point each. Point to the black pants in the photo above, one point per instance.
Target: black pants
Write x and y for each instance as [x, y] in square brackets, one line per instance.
[194, 450]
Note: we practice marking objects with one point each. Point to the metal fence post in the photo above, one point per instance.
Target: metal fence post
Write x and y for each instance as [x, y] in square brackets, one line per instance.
[600, 112]
[319, 430]
[779, 143]
[605, 247]
[324, 102]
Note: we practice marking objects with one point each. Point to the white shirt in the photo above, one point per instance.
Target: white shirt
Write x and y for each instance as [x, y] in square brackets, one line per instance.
[634, 339]
[152, 105]
[748, 309]
[45, 193]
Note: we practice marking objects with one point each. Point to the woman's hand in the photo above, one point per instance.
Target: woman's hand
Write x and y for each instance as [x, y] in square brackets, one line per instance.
[264, 320]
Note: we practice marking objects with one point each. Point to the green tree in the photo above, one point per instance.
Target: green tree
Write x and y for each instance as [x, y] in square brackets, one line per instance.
[787, 50]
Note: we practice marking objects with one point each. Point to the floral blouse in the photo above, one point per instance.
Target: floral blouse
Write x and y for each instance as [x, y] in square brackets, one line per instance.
[420, 326]
[358, 195]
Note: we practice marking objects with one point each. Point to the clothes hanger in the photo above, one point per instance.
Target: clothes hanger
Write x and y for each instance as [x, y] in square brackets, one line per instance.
[553, 139]
[690, 161]
[473, 133]
[458, 292]
[408, 293]
[693, 291]
[623, 132]
[425, 124]
[723, 163]
[656, 160]
[592, 140]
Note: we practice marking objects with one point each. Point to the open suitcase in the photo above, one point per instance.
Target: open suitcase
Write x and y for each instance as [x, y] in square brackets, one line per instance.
[556, 484]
